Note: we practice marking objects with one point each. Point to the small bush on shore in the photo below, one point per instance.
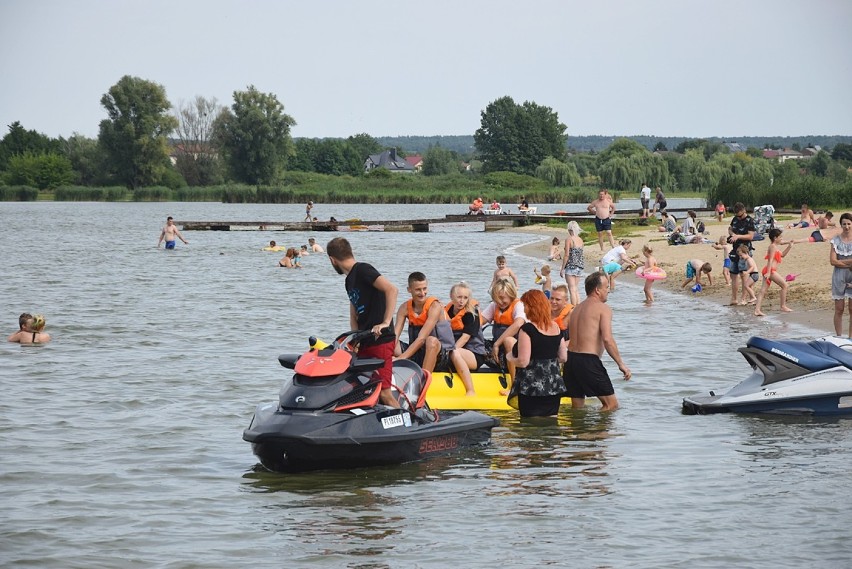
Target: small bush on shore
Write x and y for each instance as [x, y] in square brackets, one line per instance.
[18, 193]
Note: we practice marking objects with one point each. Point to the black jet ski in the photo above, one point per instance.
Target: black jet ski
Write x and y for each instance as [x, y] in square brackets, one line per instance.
[788, 377]
[328, 415]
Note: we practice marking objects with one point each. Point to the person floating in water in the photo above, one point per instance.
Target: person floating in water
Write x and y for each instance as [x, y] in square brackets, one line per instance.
[169, 233]
[30, 330]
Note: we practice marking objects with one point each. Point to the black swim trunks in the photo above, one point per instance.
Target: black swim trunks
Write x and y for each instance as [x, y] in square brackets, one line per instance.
[585, 376]
[603, 224]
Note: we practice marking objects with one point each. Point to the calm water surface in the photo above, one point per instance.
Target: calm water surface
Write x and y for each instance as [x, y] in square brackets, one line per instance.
[121, 440]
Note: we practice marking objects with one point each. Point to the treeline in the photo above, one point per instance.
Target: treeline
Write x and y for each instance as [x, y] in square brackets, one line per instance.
[299, 187]
[244, 152]
[463, 144]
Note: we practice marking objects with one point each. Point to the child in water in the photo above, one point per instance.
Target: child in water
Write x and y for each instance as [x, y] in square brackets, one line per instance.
[503, 272]
[650, 264]
[725, 247]
[544, 279]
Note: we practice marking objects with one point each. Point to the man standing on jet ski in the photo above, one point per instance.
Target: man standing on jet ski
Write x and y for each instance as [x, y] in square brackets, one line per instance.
[372, 299]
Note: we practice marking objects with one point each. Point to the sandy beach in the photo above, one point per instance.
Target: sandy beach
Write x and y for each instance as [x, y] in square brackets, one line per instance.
[809, 295]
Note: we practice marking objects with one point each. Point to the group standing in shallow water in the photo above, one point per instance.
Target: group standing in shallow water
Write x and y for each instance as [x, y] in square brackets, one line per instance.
[530, 332]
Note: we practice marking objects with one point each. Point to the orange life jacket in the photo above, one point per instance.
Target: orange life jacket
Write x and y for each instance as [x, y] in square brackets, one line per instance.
[504, 317]
[560, 318]
[456, 320]
[419, 319]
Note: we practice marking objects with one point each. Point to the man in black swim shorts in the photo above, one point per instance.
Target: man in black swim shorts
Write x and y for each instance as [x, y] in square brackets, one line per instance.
[603, 208]
[590, 333]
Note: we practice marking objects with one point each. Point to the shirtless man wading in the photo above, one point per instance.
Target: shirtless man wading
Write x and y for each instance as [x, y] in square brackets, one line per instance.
[603, 208]
[169, 233]
[590, 332]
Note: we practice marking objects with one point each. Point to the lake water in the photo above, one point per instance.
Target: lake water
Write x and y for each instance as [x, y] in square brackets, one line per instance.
[121, 440]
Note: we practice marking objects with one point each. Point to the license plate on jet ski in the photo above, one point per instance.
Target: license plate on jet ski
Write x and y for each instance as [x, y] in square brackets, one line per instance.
[398, 420]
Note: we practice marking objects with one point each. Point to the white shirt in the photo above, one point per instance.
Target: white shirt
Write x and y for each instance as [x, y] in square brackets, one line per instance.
[614, 254]
[517, 311]
[645, 193]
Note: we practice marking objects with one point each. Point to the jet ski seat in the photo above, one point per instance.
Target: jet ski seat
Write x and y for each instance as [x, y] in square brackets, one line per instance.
[833, 351]
[410, 382]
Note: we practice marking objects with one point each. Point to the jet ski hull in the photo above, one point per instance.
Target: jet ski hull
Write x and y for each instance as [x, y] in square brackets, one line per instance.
[822, 406]
[286, 440]
[789, 377]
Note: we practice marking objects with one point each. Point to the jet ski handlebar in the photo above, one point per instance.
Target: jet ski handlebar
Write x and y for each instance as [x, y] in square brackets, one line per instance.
[355, 336]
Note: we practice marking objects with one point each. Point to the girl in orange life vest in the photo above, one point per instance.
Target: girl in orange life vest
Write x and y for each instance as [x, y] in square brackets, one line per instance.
[423, 313]
[506, 312]
[469, 353]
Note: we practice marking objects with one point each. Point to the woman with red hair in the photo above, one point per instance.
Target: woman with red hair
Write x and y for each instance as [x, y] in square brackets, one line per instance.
[538, 386]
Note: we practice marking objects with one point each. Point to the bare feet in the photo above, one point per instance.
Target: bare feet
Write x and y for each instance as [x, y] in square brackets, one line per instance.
[742, 303]
[504, 392]
[759, 313]
[470, 393]
[786, 309]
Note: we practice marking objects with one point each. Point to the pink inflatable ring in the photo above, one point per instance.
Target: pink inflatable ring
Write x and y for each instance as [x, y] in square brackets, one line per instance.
[653, 274]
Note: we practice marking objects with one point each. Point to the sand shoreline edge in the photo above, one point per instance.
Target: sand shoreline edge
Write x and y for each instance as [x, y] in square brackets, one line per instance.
[808, 295]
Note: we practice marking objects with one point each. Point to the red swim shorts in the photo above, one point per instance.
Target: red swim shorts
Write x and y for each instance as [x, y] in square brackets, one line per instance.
[385, 352]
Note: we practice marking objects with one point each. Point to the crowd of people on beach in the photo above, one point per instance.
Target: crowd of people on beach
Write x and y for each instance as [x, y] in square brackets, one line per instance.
[749, 284]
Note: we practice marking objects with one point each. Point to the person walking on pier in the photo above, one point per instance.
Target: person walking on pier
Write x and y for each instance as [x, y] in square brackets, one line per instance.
[308, 208]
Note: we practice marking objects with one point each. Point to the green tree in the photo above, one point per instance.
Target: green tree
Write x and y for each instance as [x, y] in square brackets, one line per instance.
[558, 174]
[842, 152]
[20, 140]
[660, 146]
[625, 165]
[135, 134]
[516, 138]
[43, 171]
[819, 164]
[331, 158]
[304, 156]
[254, 136]
[87, 159]
[196, 157]
[439, 161]
[363, 144]
[586, 164]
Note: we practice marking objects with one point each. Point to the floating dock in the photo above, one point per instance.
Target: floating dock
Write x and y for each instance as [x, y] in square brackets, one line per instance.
[488, 222]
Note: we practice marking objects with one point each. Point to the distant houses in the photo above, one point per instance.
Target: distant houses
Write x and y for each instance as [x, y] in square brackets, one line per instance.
[390, 161]
[789, 154]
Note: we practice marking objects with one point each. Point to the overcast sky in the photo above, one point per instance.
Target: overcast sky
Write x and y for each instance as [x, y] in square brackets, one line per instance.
[622, 67]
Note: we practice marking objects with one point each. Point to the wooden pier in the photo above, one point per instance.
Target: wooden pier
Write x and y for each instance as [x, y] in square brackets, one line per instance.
[489, 222]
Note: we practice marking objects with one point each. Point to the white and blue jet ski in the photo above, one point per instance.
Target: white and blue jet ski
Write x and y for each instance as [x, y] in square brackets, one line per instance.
[789, 377]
